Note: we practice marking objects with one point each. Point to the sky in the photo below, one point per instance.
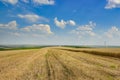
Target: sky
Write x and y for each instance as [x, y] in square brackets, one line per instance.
[60, 22]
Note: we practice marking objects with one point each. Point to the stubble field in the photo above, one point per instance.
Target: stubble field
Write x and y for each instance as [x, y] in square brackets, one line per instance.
[60, 63]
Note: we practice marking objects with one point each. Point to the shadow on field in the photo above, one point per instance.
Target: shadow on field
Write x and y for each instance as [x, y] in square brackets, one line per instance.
[109, 54]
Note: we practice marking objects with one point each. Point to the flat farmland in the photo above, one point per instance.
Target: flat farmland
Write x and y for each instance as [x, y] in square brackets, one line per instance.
[60, 63]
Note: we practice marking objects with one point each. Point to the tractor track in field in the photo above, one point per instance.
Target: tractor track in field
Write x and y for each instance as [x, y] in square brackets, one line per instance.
[68, 72]
[49, 68]
[57, 64]
[77, 57]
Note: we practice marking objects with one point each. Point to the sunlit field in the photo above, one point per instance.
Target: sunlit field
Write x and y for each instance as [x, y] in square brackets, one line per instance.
[60, 63]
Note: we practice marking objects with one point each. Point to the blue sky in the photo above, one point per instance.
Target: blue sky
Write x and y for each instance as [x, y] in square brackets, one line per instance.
[60, 22]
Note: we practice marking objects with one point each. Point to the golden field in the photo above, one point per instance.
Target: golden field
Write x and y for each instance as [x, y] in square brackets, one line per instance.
[60, 63]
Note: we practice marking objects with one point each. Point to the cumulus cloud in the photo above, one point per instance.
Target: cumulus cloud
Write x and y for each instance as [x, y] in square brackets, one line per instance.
[38, 2]
[32, 17]
[88, 27]
[13, 2]
[112, 4]
[114, 31]
[84, 30]
[43, 28]
[44, 2]
[71, 22]
[11, 25]
[62, 24]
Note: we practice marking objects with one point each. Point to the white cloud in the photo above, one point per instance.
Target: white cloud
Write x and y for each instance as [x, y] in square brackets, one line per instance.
[43, 28]
[11, 25]
[84, 30]
[112, 4]
[22, 3]
[91, 33]
[71, 22]
[32, 17]
[88, 27]
[44, 2]
[15, 33]
[13, 2]
[38, 2]
[114, 31]
[62, 24]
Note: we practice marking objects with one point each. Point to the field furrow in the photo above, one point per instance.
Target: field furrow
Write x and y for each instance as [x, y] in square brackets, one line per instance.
[57, 64]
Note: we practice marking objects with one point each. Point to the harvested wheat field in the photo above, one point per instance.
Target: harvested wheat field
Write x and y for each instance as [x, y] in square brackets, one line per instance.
[59, 63]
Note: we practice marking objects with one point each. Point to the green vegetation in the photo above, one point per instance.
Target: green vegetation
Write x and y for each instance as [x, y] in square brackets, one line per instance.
[21, 48]
[78, 46]
[113, 66]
